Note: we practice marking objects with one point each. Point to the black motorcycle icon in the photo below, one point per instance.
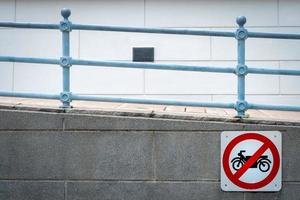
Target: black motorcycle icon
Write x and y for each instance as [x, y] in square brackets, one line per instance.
[263, 163]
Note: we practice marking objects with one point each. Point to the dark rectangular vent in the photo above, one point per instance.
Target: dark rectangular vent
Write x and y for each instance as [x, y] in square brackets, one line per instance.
[143, 54]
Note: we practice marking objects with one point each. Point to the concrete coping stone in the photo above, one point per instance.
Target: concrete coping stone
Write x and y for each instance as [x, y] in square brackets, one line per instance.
[210, 114]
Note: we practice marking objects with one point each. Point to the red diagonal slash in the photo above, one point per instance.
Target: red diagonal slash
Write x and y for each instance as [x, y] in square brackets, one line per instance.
[251, 160]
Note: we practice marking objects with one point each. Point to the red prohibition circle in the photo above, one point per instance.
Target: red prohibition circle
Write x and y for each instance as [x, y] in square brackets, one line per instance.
[263, 139]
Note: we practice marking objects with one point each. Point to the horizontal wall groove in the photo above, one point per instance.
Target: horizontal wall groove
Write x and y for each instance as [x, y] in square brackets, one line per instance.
[148, 131]
[114, 180]
[231, 26]
[125, 180]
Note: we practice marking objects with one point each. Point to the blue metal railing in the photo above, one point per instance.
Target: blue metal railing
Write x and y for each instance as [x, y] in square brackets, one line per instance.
[66, 61]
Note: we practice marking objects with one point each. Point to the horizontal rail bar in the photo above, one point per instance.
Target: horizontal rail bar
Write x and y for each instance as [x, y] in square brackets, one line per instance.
[29, 60]
[153, 30]
[153, 66]
[149, 30]
[28, 25]
[273, 107]
[30, 95]
[274, 71]
[152, 101]
[274, 35]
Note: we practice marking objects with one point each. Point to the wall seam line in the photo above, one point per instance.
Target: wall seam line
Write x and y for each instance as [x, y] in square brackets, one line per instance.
[144, 13]
[79, 56]
[144, 81]
[65, 190]
[63, 124]
[154, 156]
[15, 16]
[144, 70]
[195, 94]
[279, 79]
[210, 44]
[278, 24]
[13, 77]
[13, 64]
[65, 181]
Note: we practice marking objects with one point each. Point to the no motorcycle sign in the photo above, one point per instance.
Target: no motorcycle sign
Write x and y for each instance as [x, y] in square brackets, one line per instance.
[251, 161]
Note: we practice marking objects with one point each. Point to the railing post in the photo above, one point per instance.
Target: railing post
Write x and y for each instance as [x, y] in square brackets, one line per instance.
[65, 60]
[241, 69]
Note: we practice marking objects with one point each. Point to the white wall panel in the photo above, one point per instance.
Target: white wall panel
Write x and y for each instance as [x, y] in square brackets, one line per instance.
[262, 84]
[35, 43]
[203, 13]
[263, 99]
[289, 14]
[90, 11]
[290, 84]
[180, 82]
[37, 78]
[97, 80]
[203, 98]
[7, 10]
[224, 98]
[176, 82]
[262, 15]
[257, 48]
[118, 46]
[6, 76]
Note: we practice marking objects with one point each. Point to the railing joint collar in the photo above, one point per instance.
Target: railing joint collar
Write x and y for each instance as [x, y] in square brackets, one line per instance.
[241, 106]
[65, 61]
[241, 34]
[65, 26]
[66, 97]
[241, 70]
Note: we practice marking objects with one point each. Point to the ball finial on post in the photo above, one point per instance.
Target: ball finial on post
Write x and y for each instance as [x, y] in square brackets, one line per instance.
[65, 13]
[241, 21]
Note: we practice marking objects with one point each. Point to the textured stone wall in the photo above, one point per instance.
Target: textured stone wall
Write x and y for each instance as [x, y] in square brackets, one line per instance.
[65, 156]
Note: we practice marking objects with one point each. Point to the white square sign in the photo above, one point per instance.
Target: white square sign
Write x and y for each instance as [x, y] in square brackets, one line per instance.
[251, 161]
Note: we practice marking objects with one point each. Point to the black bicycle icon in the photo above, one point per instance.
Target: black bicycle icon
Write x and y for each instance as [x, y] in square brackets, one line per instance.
[263, 163]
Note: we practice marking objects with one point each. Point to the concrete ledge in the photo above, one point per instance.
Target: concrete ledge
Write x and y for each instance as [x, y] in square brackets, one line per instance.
[269, 117]
[12, 119]
[27, 120]
[32, 190]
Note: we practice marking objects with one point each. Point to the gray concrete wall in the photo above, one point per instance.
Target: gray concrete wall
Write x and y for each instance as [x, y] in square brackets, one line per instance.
[69, 156]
